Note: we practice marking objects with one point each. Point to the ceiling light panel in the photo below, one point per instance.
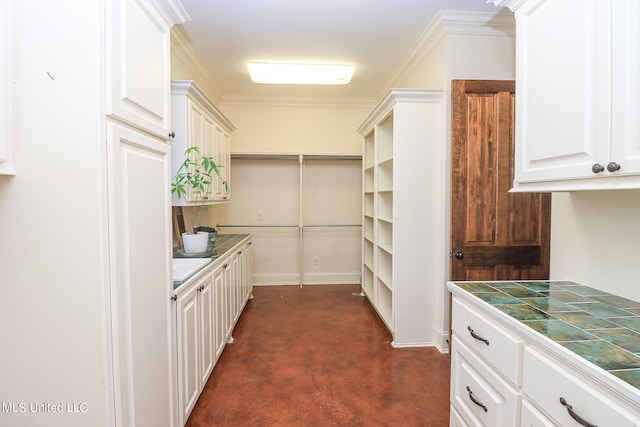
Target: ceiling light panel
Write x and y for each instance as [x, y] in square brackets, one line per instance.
[300, 73]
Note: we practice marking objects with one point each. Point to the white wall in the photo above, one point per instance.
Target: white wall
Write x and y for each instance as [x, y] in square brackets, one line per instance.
[52, 276]
[595, 240]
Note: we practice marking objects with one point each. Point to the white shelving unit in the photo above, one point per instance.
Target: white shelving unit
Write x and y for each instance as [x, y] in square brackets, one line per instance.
[401, 136]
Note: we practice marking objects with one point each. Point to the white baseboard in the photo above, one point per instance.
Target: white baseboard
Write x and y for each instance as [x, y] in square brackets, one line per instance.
[413, 344]
[309, 279]
[442, 341]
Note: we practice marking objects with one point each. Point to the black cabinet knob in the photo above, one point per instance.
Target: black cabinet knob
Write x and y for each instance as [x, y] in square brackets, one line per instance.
[597, 168]
[172, 135]
[459, 255]
[613, 167]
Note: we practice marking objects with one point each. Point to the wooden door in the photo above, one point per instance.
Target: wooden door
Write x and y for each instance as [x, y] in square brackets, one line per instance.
[495, 235]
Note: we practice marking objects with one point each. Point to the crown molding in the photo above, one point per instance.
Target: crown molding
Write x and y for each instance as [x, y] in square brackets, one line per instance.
[513, 5]
[173, 11]
[446, 23]
[181, 49]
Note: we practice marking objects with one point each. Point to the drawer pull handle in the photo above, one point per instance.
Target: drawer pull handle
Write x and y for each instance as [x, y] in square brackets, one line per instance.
[575, 416]
[473, 399]
[478, 337]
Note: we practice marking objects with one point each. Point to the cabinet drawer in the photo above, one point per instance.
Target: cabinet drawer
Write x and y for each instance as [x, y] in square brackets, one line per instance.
[481, 396]
[546, 382]
[500, 348]
[455, 420]
[531, 417]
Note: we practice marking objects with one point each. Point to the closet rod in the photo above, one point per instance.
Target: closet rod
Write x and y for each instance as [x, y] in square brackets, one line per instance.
[288, 226]
[262, 158]
[333, 158]
[331, 225]
[314, 158]
[256, 225]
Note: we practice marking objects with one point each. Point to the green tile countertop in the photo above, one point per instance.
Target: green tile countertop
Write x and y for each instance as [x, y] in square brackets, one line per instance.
[224, 243]
[600, 327]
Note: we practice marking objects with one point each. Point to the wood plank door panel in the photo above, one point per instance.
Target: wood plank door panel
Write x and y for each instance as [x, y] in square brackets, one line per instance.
[495, 235]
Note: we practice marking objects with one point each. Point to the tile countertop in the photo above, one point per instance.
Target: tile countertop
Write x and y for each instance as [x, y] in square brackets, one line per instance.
[600, 327]
[224, 243]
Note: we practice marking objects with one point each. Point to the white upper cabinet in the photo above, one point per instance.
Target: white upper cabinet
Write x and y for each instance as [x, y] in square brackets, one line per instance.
[197, 122]
[578, 96]
[138, 63]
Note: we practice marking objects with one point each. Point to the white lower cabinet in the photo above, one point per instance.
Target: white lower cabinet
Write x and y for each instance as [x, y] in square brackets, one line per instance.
[206, 310]
[478, 392]
[501, 349]
[194, 345]
[218, 276]
[503, 373]
[571, 397]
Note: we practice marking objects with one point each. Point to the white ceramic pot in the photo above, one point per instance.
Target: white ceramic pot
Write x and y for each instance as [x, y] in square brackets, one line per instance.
[195, 243]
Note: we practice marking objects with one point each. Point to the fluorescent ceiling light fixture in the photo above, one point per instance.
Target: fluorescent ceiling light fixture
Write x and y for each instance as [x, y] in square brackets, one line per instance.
[300, 73]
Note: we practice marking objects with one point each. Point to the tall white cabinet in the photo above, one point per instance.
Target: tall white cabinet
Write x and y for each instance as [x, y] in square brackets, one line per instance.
[139, 208]
[577, 68]
[403, 137]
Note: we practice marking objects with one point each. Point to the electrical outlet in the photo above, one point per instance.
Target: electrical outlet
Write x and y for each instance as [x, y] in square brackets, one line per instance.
[260, 216]
[315, 260]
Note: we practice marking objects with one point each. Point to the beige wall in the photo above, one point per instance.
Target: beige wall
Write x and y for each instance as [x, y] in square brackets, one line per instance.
[595, 240]
[280, 127]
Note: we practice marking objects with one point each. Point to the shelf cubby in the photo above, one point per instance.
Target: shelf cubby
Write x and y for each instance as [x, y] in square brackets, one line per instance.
[368, 204]
[385, 236]
[385, 176]
[385, 205]
[368, 252]
[385, 139]
[368, 160]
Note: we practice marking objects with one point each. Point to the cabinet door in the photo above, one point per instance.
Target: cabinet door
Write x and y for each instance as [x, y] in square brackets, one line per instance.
[625, 137]
[207, 331]
[188, 324]
[229, 306]
[562, 89]
[138, 67]
[219, 318]
[222, 157]
[139, 224]
[236, 262]
[248, 269]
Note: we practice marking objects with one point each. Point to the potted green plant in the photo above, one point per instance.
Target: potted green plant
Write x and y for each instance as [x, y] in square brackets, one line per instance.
[193, 178]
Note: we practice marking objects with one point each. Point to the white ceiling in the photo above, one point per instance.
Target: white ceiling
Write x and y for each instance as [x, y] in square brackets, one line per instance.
[373, 35]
